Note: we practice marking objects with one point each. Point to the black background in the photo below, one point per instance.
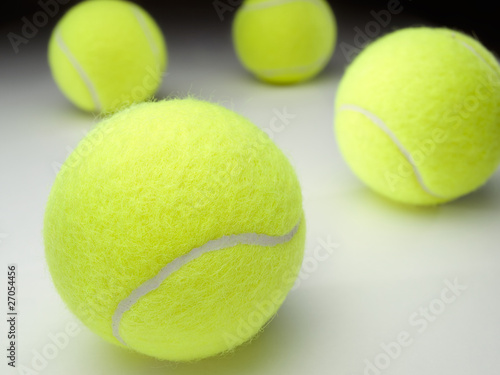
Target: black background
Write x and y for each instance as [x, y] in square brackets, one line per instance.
[478, 18]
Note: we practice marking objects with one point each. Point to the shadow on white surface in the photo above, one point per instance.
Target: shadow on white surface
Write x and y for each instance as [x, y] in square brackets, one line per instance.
[283, 337]
[485, 198]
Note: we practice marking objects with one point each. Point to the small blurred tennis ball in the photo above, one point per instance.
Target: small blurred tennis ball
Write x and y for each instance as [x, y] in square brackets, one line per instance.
[418, 115]
[105, 55]
[284, 41]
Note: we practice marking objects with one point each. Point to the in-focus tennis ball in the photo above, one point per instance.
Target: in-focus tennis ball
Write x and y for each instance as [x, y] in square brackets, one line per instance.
[105, 55]
[284, 41]
[418, 115]
[175, 229]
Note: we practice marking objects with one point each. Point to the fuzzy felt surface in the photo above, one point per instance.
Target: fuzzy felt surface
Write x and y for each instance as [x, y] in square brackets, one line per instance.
[145, 187]
[284, 41]
[106, 54]
[438, 93]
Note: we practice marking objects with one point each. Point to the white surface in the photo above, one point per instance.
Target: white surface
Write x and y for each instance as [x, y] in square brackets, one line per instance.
[390, 260]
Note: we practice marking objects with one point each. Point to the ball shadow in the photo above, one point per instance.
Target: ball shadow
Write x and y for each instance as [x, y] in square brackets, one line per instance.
[272, 345]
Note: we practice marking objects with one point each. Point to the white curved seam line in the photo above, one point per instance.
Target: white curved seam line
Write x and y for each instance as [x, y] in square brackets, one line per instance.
[382, 126]
[273, 3]
[270, 73]
[213, 245]
[470, 48]
[79, 69]
[145, 29]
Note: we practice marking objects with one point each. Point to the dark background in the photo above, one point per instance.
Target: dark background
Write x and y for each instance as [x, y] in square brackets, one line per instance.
[473, 17]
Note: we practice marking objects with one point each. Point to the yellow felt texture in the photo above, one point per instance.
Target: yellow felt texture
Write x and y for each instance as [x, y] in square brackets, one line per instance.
[284, 41]
[113, 48]
[438, 92]
[148, 185]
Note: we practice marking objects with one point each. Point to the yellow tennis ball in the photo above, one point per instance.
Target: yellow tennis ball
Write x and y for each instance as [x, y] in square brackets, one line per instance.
[418, 115]
[284, 41]
[175, 229]
[105, 55]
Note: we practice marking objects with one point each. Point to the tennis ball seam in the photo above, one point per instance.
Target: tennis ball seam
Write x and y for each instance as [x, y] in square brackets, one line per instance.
[377, 121]
[271, 73]
[382, 126]
[79, 69]
[147, 32]
[273, 3]
[210, 246]
[471, 49]
[85, 77]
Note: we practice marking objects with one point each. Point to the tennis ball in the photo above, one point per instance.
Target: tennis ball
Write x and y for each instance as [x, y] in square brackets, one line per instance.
[284, 41]
[175, 229]
[418, 115]
[105, 55]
